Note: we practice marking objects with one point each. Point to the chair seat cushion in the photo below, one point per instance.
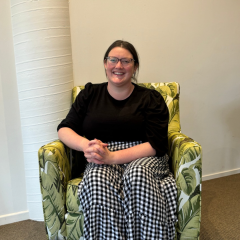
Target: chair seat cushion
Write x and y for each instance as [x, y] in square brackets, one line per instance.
[72, 200]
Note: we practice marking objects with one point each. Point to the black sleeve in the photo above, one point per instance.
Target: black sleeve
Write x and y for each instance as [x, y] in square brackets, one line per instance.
[156, 122]
[78, 110]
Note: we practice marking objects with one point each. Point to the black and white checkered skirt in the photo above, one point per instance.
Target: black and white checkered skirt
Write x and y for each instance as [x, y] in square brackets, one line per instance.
[132, 201]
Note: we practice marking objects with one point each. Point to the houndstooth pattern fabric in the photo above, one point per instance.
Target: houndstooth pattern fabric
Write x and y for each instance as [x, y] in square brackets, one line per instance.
[134, 201]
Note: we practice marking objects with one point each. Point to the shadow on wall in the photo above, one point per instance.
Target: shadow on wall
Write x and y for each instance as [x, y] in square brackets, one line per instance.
[230, 117]
[221, 152]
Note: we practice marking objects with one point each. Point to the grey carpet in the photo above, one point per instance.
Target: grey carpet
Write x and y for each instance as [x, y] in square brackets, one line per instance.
[220, 214]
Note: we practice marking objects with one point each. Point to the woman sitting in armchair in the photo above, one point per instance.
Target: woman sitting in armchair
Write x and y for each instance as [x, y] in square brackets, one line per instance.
[127, 191]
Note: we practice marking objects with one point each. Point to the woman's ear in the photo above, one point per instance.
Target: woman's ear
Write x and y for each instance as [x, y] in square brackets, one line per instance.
[105, 64]
[135, 68]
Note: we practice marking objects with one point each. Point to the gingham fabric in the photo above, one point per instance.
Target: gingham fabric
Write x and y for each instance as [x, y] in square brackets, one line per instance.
[133, 201]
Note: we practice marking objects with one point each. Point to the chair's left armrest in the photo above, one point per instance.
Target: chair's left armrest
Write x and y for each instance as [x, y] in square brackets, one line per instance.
[186, 155]
[54, 171]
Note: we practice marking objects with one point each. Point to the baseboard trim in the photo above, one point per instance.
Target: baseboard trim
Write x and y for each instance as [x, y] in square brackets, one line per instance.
[221, 174]
[14, 217]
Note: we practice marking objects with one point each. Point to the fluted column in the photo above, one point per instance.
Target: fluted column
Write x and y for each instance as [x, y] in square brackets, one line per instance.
[42, 45]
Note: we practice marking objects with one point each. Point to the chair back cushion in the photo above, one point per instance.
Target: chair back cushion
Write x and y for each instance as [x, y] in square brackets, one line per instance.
[170, 92]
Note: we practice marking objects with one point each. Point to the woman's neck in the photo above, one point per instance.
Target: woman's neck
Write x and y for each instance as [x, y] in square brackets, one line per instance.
[120, 92]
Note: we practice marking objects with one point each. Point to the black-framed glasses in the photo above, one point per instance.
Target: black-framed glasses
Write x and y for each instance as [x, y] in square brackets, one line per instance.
[124, 61]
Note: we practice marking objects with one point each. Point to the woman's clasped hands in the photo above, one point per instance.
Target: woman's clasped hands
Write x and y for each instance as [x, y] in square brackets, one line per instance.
[97, 152]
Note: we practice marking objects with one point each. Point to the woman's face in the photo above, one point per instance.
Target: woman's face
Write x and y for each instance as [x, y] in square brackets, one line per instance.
[119, 74]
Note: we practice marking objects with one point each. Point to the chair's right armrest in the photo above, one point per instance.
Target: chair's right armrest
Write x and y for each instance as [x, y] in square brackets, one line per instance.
[54, 171]
[186, 155]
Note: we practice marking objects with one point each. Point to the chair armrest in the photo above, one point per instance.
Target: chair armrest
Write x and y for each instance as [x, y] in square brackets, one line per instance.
[54, 172]
[186, 157]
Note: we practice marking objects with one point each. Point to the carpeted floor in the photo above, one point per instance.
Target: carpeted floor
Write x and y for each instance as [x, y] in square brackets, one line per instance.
[24, 230]
[220, 214]
[221, 209]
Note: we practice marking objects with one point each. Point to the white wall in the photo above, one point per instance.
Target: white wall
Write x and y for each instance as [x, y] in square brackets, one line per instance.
[195, 43]
[13, 203]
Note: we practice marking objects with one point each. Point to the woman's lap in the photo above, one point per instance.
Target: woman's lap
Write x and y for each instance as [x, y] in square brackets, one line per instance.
[136, 196]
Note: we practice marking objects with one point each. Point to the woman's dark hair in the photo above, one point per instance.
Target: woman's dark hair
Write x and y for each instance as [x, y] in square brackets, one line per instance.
[128, 46]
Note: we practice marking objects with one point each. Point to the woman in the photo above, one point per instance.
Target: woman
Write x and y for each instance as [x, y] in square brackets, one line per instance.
[127, 191]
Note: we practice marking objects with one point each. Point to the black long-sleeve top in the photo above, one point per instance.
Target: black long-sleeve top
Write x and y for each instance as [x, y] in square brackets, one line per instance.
[143, 116]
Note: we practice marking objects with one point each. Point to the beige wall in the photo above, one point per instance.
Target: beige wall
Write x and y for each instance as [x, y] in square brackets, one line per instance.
[195, 43]
[13, 203]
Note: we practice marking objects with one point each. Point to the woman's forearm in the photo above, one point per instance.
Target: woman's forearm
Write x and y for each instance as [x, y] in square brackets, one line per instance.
[133, 153]
[72, 139]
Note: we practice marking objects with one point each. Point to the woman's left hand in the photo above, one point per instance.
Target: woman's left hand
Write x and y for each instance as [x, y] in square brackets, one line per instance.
[97, 152]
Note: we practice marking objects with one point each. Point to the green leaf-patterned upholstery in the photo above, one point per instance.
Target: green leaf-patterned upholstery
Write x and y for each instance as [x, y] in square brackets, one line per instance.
[63, 215]
[74, 217]
[54, 171]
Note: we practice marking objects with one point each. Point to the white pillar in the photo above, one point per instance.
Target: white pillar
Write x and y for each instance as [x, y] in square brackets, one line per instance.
[42, 44]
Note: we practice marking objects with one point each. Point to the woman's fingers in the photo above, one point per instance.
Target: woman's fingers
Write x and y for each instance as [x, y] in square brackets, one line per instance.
[96, 152]
[97, 142]
[95, 149]
[92, 142]
[100, 149]
[92, 155]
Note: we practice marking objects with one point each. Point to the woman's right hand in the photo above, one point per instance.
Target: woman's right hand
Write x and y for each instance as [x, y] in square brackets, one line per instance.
[97, 152]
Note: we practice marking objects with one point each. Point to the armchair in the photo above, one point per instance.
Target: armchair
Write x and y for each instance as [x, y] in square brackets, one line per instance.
[63, 215]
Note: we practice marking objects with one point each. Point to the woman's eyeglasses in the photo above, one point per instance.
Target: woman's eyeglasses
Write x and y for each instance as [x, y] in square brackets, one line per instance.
[124, 61]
